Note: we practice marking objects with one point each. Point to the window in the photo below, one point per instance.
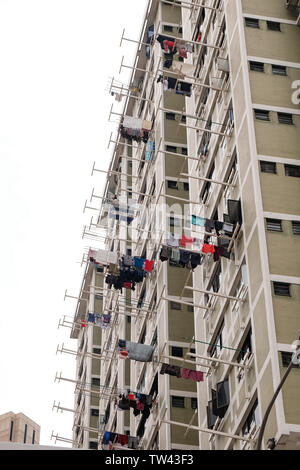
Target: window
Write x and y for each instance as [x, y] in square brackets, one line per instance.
[247, 346]
[282, 288]
[172, 184]
[186, 186]
[25, 433]
[178, 402]
[257, 66]
[93, 445]
[292, 170]
[128, 319]
[175, 306]
[296, 227]
[96, 350]
[268, 167]
[285, 118]
[33, 437]
[129, 252]
[286, 358]
[94, 412]
[177, 352]
[194, 403]
[261, 115]
[168, 28]
[252, 419]
[184, 150]
[170, 116]
[252, 22]
[96, 381]
[174, 222]
[274, 225]
[171, 148]
[190, 308]
[11, 430]
[218, 342]
[273, 25]
[278, 69]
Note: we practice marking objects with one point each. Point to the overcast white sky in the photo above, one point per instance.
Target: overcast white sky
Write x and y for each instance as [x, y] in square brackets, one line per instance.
[56, 57]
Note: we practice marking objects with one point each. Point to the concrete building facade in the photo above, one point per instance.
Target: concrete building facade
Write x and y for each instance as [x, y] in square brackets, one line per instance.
[16, 427]
[223, 147]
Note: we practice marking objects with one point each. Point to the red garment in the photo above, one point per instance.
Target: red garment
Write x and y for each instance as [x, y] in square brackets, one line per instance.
[185, 240]
[83, 325]
[148, 265]
[208, 248]
[127, 285]
[168, 44]
[139, 406]
[122, 439]
[199, 36]
[130, 396]
[192, 375]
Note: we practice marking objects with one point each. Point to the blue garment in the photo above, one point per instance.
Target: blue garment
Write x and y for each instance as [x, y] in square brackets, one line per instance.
[106, 437]
[139, 262]
[91, 317]
[198, 221]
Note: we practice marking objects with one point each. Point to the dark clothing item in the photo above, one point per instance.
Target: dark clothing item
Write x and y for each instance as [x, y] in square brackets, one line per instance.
[209, 225]
[184, 257]
[164, 253]
[122, 439]
[124, 404]
[219, 251]
[132, 442]
[170, 370]
[195, 260]
[161, 38]
[122, 343]
[218, 226]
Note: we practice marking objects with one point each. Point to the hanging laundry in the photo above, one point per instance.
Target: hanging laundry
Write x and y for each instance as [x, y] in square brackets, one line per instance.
[122, 439]
[209, 225]
[106, 321]
[91, 318]
[181, 44]
[173, 240]
[132, 122]
[200, 221]
[132, 442]
[139, 262]
[218, 226]
[184, 258]
[149, 153]
[192, 375]
[219, 251]
[161, 38]
[150, 34]
[195, 260]
[98, 320]
[148, 265]
[105, 257]
[164, 253]
[184, 241]
[208, 248]
[127, 261]
[170, 370]
[168, 45]
[175, 256]
[139, 352]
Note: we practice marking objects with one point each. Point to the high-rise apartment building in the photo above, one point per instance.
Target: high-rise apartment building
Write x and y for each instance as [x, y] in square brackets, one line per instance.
[188, 314]
[16, 427]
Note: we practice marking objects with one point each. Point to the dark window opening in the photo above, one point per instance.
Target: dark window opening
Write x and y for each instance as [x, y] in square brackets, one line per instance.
[274, 225]
[262, 115]
[282, 288]
[285, 118]
[176, 351]
[278, 69]
[292, 170]
[273, 26]
[268, 167]
[257, 66]
[296, 227]
[177, 402]
[252, 22]
[286, 358]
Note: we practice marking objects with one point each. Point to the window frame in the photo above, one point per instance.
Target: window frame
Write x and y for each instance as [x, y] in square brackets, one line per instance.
[270, 164]
[177, 404]
[253, 64]
[252, 22]
[258, 113]
[272, 228]
[285, 118]
[277, 285]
